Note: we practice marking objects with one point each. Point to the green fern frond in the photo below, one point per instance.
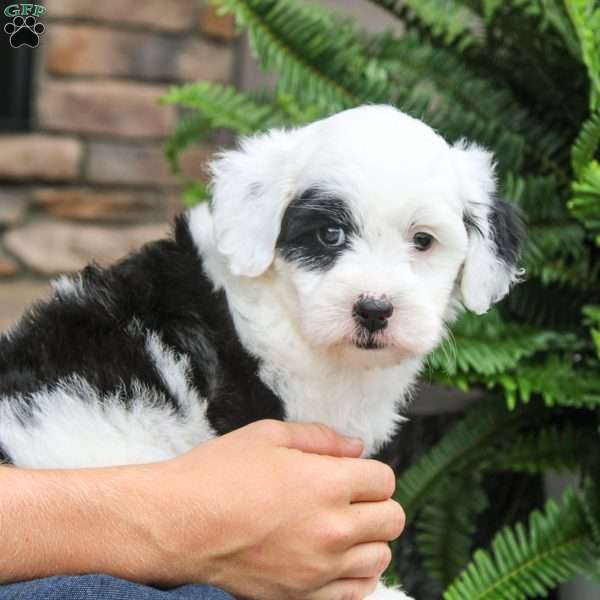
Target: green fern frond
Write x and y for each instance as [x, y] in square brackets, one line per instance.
[548, 14]
[526, 563]
[224, 106]
[556, 448]
[419, 70]
[552, 306]
[446, 523]
[190, 129]
[295, 40]
[451, 21]
[552, 248]
[585, 15]
[585, 204]
[556, 380]
[194, 192]
[591, 505]
[555, 249]
[485, 345]
[587, 144]
[466, 444]
[592, 316]
[540, 197]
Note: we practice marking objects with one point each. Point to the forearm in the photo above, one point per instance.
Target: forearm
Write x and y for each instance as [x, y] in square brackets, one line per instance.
[74, 521]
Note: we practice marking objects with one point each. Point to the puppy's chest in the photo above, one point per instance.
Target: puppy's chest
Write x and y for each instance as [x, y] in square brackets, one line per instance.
[359, 405]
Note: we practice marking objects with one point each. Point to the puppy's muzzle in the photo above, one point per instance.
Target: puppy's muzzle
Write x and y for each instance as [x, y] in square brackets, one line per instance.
[372, 313]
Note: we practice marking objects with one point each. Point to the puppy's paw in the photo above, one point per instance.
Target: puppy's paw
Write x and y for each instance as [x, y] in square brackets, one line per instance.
[383, 593]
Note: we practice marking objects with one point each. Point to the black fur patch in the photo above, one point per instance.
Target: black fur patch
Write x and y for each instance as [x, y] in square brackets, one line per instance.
[99, 335]
[471, 224]
[4, 458]
[313, 211]
[508, 230]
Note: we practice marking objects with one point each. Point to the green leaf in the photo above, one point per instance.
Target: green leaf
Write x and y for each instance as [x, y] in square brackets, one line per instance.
[466, 444]
[551, 448]
[486, 345]
[451, 21]
[585, 15]
[295, 40]
[445, 525]
[189, 130]
[527, 563]
[224, 106]
[587, 144]
[585, 204]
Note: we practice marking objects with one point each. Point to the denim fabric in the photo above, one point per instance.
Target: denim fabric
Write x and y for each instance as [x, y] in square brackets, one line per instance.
[103, 587]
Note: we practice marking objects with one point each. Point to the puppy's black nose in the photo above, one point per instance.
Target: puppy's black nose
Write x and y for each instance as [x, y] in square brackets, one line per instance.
[373, 314]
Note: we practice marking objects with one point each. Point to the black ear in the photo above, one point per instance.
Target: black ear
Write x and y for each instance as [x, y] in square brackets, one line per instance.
[507, 223]
[495, 231]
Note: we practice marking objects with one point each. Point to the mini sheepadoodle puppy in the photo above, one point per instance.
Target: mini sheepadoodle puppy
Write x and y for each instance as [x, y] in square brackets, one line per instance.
[326, 268]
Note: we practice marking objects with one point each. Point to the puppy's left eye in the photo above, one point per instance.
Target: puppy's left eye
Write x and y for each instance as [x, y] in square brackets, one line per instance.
[331, 236]
[422, 241]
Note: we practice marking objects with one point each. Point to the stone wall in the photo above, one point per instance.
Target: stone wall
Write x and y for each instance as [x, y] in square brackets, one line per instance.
[89, 182]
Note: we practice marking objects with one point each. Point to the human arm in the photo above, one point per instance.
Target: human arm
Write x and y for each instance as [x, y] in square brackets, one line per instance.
[257, 512]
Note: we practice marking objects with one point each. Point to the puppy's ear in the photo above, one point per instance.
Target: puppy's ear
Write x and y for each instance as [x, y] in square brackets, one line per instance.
[250, 192]
[495, 232]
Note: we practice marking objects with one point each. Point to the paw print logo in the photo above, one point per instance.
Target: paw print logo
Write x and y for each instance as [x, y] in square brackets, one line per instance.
[24, 32]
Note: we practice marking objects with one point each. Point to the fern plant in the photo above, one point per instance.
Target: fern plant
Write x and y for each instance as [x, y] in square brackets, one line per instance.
[521, 77]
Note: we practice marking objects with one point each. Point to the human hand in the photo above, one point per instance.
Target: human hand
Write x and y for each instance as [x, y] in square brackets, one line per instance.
[273, 511]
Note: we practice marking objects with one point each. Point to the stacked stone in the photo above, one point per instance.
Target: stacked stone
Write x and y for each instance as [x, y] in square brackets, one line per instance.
[90, 181]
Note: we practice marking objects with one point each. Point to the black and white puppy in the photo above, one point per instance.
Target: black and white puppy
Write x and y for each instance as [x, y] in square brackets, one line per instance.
[325, 270]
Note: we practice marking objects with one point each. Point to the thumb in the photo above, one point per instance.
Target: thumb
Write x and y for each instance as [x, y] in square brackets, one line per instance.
[320, 439]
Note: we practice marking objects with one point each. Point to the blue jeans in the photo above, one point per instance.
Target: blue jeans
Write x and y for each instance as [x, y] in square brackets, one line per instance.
[103, 587]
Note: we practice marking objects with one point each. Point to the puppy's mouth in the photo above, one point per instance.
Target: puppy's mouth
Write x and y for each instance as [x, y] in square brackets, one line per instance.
[369, 343]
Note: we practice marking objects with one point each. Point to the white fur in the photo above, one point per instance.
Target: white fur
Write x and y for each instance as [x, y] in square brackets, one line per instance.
[383, 593]
[74, 426]
[68, 286]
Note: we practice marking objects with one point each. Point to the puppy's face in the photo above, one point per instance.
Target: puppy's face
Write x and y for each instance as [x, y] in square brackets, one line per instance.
[373, 229]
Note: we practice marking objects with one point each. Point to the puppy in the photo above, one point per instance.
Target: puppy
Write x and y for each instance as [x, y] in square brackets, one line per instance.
[325, 270]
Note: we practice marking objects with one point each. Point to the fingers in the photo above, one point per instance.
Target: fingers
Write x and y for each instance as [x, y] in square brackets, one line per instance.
[343, 589]
[377, 521]
[365, 561]
[312, 437]
[370, 480]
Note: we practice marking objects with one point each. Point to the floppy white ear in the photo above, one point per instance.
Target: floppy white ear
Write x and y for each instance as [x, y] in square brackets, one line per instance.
[495, 231]
[251, 189]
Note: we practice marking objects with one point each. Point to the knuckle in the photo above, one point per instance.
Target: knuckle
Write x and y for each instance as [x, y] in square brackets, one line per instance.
[321, 429]
[270, 428]
[338, 534]
[309, 576]
[335, 484]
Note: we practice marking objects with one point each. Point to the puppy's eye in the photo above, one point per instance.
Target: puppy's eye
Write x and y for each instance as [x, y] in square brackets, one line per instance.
[422, 241]
[331, 236]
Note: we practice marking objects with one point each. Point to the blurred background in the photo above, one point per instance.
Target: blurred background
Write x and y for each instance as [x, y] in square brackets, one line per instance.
[82, 171]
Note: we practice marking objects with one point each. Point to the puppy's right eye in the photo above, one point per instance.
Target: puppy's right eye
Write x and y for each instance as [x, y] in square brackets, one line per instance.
[331, 236]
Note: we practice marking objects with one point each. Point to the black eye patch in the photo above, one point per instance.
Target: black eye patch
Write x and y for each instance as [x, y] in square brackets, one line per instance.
[314, 211]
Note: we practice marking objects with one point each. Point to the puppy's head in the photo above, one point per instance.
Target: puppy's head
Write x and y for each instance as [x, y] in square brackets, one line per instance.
[372, 229]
